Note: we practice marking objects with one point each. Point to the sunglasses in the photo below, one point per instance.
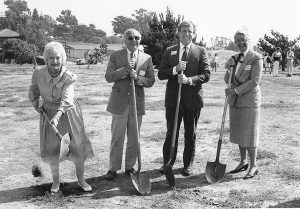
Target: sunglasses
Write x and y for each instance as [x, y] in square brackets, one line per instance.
[133, 37]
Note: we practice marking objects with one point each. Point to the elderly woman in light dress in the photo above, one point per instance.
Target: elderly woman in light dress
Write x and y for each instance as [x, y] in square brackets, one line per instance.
[54, 86]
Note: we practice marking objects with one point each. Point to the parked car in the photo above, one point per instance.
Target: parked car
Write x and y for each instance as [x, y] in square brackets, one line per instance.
[81, 62]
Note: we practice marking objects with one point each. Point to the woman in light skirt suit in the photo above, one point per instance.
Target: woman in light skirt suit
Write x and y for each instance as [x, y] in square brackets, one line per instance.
[244, 98]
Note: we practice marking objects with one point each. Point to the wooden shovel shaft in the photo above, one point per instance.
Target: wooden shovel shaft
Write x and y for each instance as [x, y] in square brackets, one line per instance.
[175, 123]
[53, 127]
[136, 125]
[223, 118]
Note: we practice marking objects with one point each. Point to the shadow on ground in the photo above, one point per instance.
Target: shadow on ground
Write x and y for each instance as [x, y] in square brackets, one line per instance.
[120, 186]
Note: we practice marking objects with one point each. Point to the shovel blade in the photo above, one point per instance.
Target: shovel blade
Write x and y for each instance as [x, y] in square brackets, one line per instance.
[214, 171]
[169, 175]
[141, 183]
[64, 150]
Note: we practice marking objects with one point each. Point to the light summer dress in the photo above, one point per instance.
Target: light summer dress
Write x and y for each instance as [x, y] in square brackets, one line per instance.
[58, 94]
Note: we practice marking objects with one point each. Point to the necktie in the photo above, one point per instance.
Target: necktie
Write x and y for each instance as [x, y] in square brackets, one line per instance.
[184, 55]
[241, 57]
[132, 59]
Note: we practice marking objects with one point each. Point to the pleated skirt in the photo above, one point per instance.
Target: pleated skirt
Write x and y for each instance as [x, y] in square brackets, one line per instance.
[70, 122]
[244, 126]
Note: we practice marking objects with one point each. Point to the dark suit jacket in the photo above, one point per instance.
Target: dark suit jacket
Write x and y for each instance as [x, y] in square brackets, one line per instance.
[246, 81]
[121, 92]
[197, 69]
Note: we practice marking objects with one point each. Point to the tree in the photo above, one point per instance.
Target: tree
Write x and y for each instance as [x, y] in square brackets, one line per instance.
[268, 44]
[143, 18]
[17, 16]
[68, 23]
[121, 24]
[219, 42]
[21, 50]
[163, 33]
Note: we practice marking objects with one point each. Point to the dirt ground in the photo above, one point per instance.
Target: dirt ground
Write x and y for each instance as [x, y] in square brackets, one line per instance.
[276, 185]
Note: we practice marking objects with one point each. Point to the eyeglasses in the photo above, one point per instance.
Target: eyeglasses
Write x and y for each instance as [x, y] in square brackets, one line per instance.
[133, 37]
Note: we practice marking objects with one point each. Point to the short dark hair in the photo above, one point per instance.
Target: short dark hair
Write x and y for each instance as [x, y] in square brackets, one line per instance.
[187, 23]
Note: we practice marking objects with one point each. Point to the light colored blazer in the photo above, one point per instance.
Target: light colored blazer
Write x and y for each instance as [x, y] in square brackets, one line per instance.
[121, 94]
[246, 81]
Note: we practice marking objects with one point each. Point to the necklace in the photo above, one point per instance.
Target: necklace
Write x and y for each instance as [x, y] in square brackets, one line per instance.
[54, 75]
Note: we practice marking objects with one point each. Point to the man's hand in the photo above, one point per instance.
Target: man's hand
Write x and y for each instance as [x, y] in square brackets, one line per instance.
[181, 66]
[231, 62]
[133, 74]
[132, 63]
[229, 91]
[183, 79]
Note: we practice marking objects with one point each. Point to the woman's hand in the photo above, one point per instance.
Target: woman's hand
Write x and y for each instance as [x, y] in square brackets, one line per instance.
[230, 91]
[54, 121]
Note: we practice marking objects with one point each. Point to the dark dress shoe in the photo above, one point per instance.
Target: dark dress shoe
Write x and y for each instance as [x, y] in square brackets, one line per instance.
[130, 171]
[243, 168]
[110, 175]
[250, 176]
[186, 172]
[161, 170]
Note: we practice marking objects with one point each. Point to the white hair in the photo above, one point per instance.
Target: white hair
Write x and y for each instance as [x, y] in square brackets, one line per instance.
[55, 46]
[131, 30]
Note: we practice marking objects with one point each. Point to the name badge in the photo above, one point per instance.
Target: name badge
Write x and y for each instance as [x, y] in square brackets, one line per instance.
[248, 67]
[142, 73]
[173, 52]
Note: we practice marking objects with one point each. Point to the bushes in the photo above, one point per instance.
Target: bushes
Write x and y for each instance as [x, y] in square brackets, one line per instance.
[21, 51]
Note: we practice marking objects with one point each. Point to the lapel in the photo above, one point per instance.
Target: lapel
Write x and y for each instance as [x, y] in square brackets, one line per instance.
[124, 57]
[243, 65]
[139, 61]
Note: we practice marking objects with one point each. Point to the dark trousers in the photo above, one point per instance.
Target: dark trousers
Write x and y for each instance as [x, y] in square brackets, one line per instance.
[190, 119]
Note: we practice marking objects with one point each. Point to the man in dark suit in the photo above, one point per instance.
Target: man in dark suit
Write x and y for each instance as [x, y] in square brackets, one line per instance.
[191, 60]
[123, 65]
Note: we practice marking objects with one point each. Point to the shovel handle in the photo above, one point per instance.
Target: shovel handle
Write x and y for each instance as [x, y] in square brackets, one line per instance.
[224, 117]
[136, 125]
[175, 123]
[59, 136]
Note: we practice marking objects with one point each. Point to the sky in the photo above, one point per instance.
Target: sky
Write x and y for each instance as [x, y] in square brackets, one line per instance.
[212, 17]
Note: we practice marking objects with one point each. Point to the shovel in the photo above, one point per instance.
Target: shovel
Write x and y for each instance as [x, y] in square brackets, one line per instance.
[142, 184]
[168, 167]
[64, 150]
[215, 170]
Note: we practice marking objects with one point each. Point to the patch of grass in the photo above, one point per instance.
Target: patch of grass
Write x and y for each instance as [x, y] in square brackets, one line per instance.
[295, 203]
[12, 99]
[280, 105]
[20, 112]
[57, 200]
[90, 101]
[157, 136]
[99, 113]
[213, 104]
[264, 154]
[207, 121]
[289, 173]
[155, 105]
[242, 199]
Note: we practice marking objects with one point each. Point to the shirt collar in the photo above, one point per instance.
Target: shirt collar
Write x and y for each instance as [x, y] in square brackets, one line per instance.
[187, 46]
[134, 53]
[57, 78]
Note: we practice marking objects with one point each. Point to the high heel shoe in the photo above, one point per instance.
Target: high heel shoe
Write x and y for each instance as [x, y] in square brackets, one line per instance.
[243, 168]
[250, 176]
[87, 188]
